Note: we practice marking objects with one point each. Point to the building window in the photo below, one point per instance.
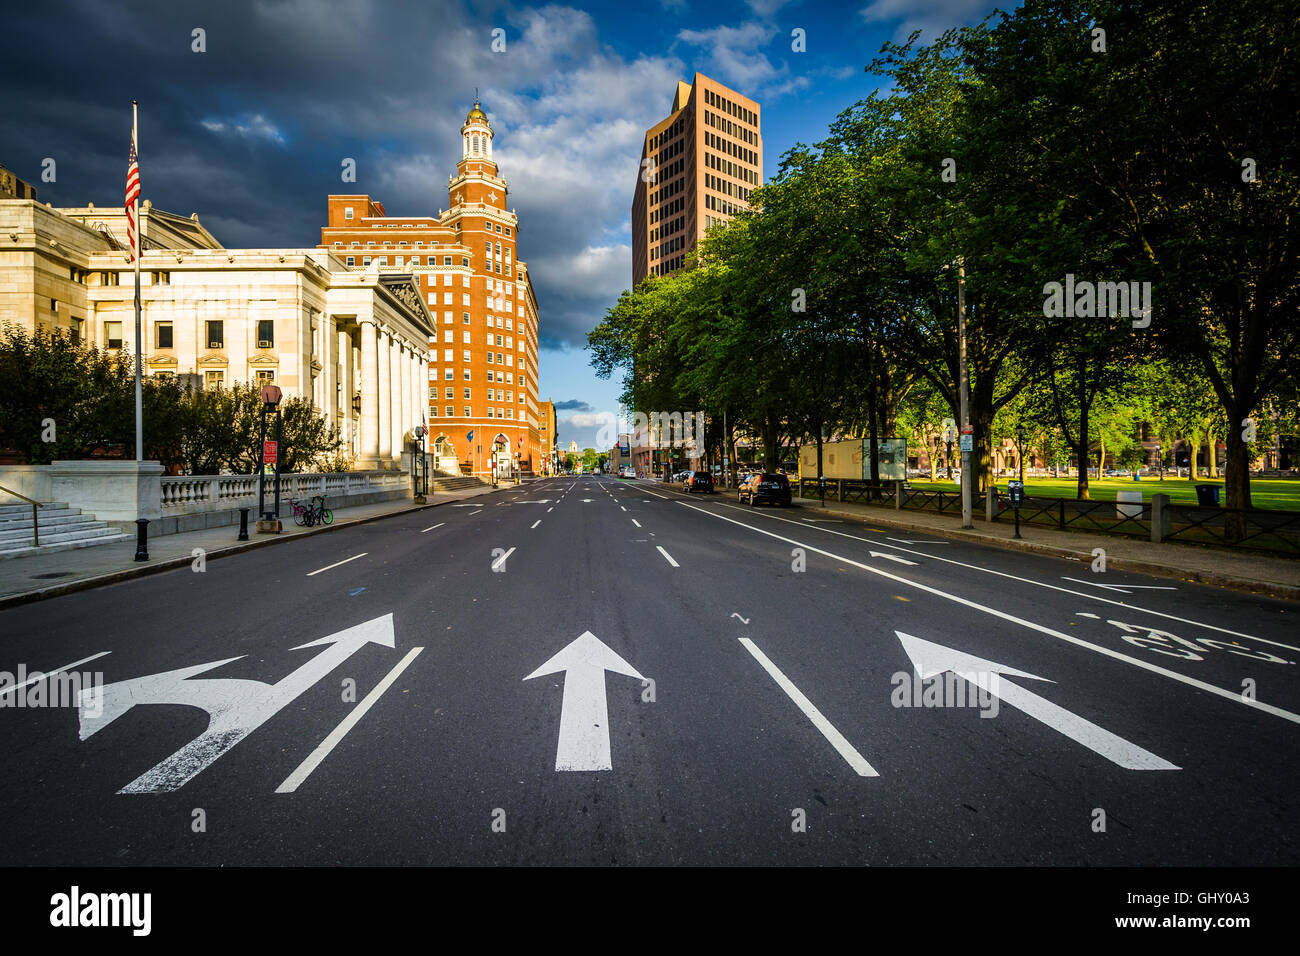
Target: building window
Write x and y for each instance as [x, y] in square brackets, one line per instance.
[450, 411]
[489, 358]
[467, 411]
[450, 392]
[446, 335]
[365, 261]
[467, 391]
[448, 374]
[466, 371]
[433, 391]
[264, 377]
[465, 317]
[347, 212]
[352, 260]
[465, 355]
[113, 335]
[446, 355]
[216, 334]
[489, 412]
[213, 380]
[433, 411]
[162, 334]
[266, 333]
[466, 337]
[492, 376]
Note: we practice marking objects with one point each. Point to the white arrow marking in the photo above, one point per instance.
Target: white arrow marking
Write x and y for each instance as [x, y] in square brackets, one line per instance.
[464, 506]
[1115, 587]
[434, 528]
[236, 707]
[743, 620]
[891, 557]
[930, 659]
[586, 501]
[539, 501]
[584, 714]
[535, 524]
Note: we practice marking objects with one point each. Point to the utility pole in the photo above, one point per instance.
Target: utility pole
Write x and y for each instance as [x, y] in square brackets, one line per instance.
[967, 436]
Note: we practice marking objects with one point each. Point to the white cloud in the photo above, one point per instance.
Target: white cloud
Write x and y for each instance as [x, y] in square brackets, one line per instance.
[932, 17]
[734, 56]
[255, 126]
[591, 419]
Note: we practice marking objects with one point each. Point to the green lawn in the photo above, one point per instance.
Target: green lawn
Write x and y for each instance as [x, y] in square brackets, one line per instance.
[1271, 494]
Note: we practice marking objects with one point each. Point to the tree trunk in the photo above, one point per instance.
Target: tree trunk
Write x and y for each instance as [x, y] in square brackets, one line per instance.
[1101, 457]
[1236, 476]
[873, 434]
[1212, 454]
[1195, 450]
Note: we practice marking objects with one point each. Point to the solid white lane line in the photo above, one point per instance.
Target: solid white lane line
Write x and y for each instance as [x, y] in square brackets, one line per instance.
[1232, 695]
[656, 494]
[295, 779]
[473, 513]
[836, 739]
[668, 556]
[550, 509]
[434, 528]
[635, 522]
[536, 523]
[1015, 577]
[58, 670]
[336, 564]
[502, 560]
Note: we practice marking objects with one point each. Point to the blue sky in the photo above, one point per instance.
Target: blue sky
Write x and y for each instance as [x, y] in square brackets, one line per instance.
[251, 133]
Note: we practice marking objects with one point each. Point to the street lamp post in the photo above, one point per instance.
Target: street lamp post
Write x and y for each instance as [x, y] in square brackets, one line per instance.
[1020, 450]
[269, 523]
[420, 467]
[967, 439]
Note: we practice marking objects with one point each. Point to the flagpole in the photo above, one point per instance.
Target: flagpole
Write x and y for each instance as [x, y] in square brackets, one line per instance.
[139, 357]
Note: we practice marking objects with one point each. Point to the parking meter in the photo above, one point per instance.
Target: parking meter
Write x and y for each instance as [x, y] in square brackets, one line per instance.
[1016, 492]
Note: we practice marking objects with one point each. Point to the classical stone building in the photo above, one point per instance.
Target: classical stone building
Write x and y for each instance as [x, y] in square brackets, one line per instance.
[698, 166]
[482, 388]
[354, 342]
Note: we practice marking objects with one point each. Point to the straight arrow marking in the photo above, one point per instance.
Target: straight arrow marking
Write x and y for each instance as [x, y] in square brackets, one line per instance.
[931, 659]
[837, 739]
[584, 713]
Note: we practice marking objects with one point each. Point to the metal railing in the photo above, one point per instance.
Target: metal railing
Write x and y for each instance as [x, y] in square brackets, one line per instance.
[199, 493]
[36, 531]
[1273, 532]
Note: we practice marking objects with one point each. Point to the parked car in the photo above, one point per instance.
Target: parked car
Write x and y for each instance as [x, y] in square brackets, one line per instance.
[627, 471]
[765, 486]
[699, 481]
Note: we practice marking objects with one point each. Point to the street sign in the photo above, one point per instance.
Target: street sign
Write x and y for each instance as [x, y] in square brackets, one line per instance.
[270, 450]
[967, 442]
[271, 395]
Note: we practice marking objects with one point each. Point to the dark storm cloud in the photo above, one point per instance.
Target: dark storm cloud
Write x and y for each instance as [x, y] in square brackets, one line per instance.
[572, 405]
[251, 133]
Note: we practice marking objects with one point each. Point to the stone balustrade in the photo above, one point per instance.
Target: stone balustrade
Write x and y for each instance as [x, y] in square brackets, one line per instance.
[195, 494]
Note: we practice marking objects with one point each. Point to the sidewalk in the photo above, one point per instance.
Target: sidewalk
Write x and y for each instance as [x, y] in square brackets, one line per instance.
[38, 576]
[1257, 573]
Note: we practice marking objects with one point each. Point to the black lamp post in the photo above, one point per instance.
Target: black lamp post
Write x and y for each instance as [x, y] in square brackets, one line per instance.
[1020, 448]
[420, 467]
[1160, 460]
[270, 520]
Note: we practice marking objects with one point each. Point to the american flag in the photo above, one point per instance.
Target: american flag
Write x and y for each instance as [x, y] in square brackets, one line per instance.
[132, 194]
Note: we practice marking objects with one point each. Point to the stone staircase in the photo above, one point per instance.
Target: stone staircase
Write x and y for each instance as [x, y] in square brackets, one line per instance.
[458, 484]
[61, 529]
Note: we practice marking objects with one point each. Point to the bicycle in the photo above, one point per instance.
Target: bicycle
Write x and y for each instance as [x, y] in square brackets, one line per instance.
[309, 515]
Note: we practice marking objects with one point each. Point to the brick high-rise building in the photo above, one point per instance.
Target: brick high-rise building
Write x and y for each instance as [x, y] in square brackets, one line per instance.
[483, 371]
[698, 167]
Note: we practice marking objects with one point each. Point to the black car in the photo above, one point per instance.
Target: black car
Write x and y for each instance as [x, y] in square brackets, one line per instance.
[765, 486]
[699, 481]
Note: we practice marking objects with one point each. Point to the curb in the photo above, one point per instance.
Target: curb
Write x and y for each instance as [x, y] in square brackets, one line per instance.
[1283, 592]
[113, 577]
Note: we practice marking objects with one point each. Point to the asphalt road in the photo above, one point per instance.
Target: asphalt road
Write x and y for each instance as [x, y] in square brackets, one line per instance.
[758, 660]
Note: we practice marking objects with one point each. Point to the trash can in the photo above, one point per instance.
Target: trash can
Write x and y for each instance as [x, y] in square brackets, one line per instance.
[1207, 495]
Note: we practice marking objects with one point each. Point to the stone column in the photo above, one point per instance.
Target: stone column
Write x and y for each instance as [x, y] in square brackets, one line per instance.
[369, 376]
[330, 371]
[404, 359]
[345, 381]
[384, 399]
